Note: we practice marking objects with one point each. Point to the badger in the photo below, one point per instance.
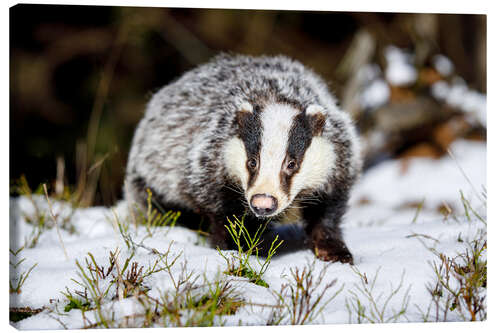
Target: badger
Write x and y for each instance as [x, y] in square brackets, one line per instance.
[248, 136]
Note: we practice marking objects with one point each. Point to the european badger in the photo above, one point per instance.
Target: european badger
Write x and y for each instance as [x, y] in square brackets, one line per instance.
[254, 135]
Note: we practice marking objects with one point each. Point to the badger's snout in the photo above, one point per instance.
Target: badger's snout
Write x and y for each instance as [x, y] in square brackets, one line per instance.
[263, 204]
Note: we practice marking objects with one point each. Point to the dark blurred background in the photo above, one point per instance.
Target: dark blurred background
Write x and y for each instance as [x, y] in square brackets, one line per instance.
[80, 77]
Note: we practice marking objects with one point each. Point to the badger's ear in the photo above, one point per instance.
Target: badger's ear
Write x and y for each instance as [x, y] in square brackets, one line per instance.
[246, 107]
[316, 116]
[245, 111]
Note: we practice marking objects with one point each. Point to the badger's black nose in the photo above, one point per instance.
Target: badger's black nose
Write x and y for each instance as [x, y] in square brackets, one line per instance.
[263, 204]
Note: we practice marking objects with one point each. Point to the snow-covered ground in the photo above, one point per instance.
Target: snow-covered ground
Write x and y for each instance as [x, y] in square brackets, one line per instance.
[385, 230]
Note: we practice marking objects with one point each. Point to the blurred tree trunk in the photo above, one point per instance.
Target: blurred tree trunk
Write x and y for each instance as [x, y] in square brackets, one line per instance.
[465, 46]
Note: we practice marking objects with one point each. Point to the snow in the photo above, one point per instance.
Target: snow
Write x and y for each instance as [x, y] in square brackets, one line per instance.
[376, 94]
[375, 91]
[440, 90]
[369, 72]
[458, 95]
[380, 229]
[443, 65]
[400, 70]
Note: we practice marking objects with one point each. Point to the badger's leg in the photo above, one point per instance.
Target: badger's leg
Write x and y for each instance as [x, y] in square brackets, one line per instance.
[233, 206]
[219, 237]
[324, 236]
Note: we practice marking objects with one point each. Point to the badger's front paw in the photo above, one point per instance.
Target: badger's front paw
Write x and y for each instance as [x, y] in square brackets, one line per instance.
[328, 245]
[334, 253]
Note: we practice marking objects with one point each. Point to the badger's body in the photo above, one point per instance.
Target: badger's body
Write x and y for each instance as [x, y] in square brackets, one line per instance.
[254, 135]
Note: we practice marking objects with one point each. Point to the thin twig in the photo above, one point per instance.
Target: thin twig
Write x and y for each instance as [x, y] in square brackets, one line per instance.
[119, 273]
[60, 176]
[465, 176]
[97, 163]
[103, 88]
[55, 221]
[422, 235]
[130, 208]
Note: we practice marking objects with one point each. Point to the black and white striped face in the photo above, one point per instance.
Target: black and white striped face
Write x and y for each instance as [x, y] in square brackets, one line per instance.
[278, 152]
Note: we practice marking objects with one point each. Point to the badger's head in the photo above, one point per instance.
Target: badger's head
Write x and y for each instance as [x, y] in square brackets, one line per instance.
[279, 152]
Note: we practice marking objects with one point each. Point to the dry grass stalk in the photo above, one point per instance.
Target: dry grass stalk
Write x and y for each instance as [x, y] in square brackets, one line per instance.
[55, 221]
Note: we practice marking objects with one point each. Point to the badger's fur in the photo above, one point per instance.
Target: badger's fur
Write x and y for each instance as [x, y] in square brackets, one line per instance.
[254, 135]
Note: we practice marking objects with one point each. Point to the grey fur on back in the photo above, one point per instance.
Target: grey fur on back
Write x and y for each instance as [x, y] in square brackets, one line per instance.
[176, 150]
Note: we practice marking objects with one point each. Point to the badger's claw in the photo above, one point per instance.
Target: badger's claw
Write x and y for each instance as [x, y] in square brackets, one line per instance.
[334, 254]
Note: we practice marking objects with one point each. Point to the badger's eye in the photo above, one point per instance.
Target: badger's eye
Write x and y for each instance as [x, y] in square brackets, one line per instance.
[292, 165]
[252, 163]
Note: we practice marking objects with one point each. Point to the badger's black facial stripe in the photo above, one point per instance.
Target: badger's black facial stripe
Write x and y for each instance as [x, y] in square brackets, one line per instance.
[299, 139]
[249, 131]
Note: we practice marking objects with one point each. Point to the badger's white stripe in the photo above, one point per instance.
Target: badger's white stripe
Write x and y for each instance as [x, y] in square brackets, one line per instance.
[235, 157]
[276, 119]
[316, 168]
